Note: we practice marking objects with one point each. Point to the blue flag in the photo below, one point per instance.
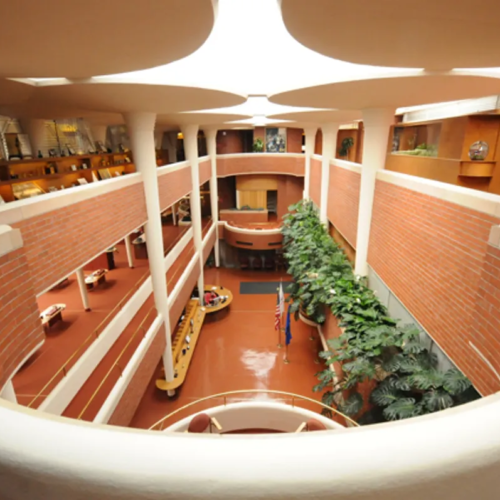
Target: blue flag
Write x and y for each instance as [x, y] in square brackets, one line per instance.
[288, 331]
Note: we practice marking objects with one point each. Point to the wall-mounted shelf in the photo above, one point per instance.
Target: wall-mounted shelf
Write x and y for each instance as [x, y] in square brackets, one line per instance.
[477, 168]
[56, 173]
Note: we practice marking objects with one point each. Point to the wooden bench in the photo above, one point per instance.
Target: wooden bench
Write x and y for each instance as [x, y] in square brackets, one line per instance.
[96, 278]
[52, 315]
[184, 344]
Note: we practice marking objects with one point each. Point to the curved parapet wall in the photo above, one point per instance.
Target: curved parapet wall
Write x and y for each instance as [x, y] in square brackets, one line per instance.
[252, 239]
[261, 163]
[452, 454]
[258, 415]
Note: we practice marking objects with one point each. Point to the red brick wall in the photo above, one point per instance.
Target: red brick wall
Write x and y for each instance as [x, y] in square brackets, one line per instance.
[290, 191]
[184, 295]
[315, 182]
[255, 164]
[318, 143]
[294, 140]
[229, 141]
[435, 258]
[174, 186]
[132, 396]
[20, 327]
[205, 168]
[58, 242]
[343, 202]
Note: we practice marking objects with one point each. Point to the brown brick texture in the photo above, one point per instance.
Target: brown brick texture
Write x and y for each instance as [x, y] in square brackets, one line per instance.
[20, 326]
[205, 169]
[343, 202]
[58, 242]
[277, 164]
[132, 396]
[173, 186]
[434, 256]
[315, 182]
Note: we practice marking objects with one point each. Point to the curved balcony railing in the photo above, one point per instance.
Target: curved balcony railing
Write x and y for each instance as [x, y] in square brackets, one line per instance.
[294, 398]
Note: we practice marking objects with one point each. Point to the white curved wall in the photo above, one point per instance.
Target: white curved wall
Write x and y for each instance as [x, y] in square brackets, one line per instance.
[258, 415]
[451, 455]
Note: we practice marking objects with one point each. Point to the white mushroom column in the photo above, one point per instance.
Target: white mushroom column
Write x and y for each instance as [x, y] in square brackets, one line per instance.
[377, 123]
[8, 392]
[190, 133]
[329, 146]
[141, 130]
[211, 137]
[36, 130]
[310, 134]
[83, 288]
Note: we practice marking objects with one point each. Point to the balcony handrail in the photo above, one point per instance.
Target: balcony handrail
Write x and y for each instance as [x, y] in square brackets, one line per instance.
[122, 352]
[95, 333]
[253, 391]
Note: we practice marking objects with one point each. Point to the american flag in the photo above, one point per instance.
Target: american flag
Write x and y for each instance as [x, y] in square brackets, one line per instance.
[277, 316]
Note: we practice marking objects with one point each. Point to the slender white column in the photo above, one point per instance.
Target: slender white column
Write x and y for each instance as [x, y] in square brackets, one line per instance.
[310, 134]
[36, 130]
[174, 215]
[140, 128]
[99, 132]
[377, 124]
[128, 249]
[83, 288]
[211, 136]
[8, 392]
[329, 146]
[190, 133]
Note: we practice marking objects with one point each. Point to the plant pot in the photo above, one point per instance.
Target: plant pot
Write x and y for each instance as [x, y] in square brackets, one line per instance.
[306, 319]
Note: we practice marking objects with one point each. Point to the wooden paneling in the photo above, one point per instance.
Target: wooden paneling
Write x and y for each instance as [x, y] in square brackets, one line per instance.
[438, 169]
[451, 138]
[252, 199]
[343, 134]
[257, 182]
[318, 143]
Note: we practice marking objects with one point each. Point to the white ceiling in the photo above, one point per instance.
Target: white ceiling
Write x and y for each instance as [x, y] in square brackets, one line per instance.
[429, 34]
[77, 39]
[391, 92]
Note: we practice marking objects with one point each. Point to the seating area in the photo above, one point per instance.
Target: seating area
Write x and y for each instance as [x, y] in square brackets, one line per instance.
[52, 315]
[184, 343]
[96, 278]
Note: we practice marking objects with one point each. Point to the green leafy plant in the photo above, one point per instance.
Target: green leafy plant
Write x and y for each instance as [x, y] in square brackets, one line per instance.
[372, 347]
[345, 146]
[258, 145]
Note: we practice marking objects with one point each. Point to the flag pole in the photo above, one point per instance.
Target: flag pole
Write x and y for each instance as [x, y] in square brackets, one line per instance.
[286, 360]
[279, 345]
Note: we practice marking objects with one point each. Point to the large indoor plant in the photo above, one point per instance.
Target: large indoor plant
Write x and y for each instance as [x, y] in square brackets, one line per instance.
[372, 347]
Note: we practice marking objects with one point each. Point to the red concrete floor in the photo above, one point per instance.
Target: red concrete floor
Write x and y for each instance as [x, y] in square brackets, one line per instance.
[76, 330]
[239, 351]
[88, 401]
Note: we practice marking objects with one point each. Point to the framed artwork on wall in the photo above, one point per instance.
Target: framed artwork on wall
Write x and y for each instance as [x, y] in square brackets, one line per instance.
[275, 140]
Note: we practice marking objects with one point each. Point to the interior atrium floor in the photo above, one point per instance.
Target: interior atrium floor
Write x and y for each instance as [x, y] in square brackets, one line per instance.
[238, 351]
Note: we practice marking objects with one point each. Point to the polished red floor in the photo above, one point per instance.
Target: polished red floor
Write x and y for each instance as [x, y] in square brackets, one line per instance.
[72, 336]
[238, 351]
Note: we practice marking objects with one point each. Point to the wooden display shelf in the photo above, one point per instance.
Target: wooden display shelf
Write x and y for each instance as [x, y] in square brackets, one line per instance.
[477, 168]
[32, 171]
[182, 361]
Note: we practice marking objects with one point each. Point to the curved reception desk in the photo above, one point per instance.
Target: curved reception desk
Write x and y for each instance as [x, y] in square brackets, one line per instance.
[253, 236]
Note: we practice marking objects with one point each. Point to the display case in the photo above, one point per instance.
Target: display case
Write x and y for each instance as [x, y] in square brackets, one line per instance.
[52, 174]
